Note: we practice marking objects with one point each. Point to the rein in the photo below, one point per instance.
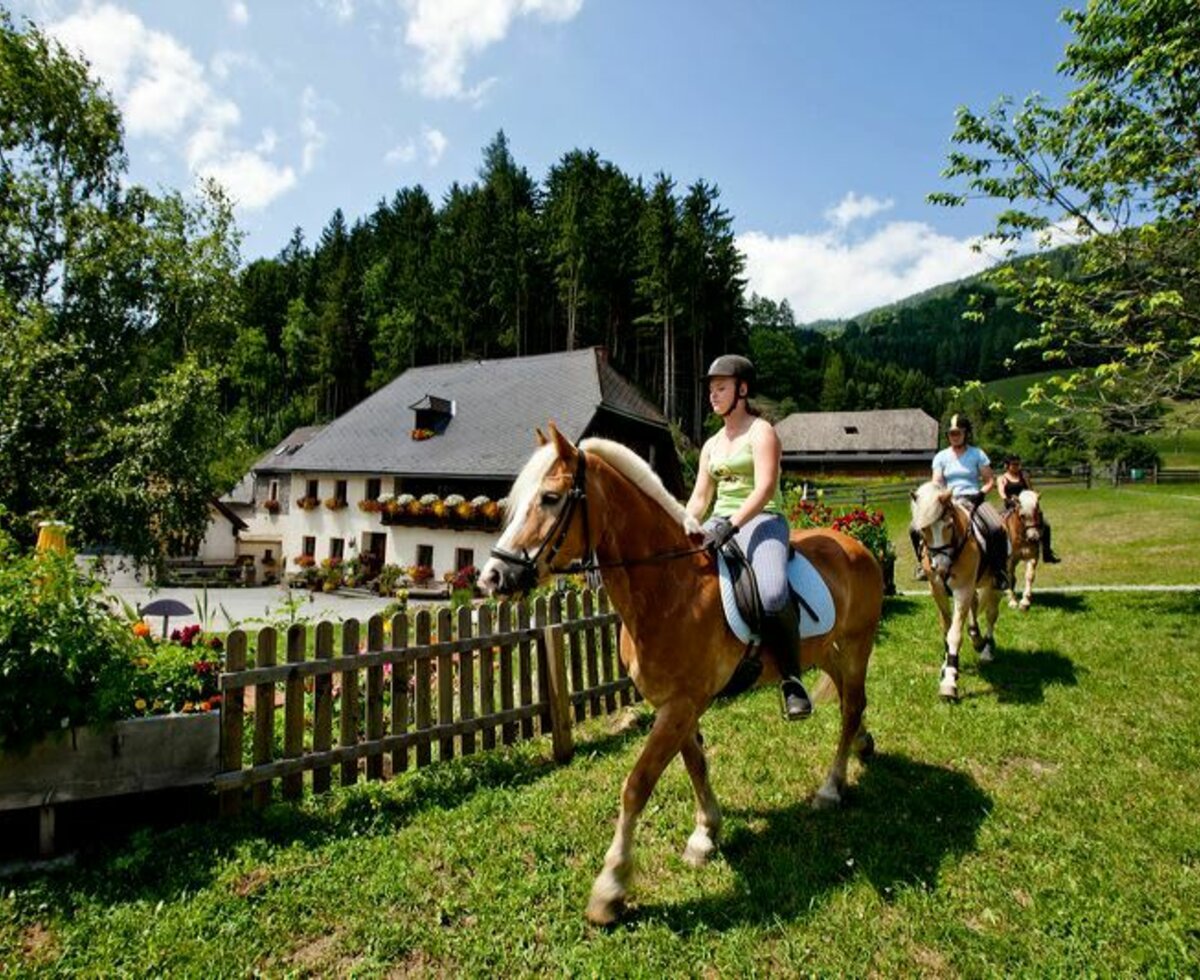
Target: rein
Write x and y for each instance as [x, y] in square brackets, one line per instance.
[576, 496]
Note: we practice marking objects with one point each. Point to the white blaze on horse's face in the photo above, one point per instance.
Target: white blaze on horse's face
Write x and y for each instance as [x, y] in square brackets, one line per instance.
[933, 517]
[1031, 515]
[534, 502]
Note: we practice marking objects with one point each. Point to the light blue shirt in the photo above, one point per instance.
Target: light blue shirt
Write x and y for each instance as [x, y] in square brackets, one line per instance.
[963, 474]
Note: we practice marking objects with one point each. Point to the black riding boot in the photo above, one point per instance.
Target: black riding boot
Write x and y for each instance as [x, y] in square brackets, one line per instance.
[998, 555]
[782, 633]
[1048, 555]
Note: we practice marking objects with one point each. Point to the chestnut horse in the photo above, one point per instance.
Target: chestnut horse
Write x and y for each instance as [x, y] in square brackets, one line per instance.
[1023, 522]
[955, 565]
[600, 506]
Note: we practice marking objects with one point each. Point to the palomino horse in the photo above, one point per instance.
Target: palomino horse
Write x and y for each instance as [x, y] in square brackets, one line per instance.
[600, 506]
[955, 565]
[1023, 522]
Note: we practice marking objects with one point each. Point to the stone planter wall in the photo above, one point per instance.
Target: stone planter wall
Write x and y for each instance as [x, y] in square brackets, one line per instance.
[138, 755]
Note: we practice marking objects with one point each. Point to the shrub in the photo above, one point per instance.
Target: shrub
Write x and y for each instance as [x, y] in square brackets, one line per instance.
[867, 526]
[389, 579]
[63, 657]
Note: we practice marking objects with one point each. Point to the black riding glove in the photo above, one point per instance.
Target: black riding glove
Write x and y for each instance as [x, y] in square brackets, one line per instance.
[720, 530]
[975, 499]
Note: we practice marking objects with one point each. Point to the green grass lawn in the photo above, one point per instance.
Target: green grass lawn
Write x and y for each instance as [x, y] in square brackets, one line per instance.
[1134, 535]
[1046, 825]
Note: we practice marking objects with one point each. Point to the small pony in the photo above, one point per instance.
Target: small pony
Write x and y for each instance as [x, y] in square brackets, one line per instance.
[955, 563]
[600, 507]
[1023, 522]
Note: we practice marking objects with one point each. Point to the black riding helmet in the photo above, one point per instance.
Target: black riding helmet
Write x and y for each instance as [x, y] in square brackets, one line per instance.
[732, 366]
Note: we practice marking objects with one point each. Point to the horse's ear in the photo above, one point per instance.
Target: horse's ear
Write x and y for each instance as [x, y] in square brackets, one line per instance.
[565, 449]
[540, 436]
[913, 495]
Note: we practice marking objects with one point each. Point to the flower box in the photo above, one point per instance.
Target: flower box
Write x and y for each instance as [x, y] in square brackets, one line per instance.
[138, 755]
[308, 503]
[335, 503]
[271, 506]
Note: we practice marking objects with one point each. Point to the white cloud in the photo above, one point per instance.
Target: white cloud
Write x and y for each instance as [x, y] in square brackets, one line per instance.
[435, 145]
[448, 32]
[164, 93]
[238, 13]
[852, 208]
[829, 275]
[310, 130]
[343, 10]
[405, 152]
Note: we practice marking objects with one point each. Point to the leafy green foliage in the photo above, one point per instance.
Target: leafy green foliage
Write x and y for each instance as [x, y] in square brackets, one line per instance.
[63, 657]
[1117, 167]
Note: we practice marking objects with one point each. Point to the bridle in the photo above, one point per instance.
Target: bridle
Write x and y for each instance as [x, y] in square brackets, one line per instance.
[956, 543]
[551, 544]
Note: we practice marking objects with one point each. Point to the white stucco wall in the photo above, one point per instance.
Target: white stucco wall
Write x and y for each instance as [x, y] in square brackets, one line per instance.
[353, 525]
[220, 542]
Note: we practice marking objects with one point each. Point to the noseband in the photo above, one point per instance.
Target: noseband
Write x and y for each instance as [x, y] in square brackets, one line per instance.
[527, 578]
[955, 545]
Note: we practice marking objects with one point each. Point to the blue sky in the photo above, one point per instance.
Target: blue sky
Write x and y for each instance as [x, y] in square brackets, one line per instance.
[824, 124]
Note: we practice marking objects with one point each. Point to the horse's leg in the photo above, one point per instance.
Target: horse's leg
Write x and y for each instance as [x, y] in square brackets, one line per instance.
[991, 612]
[851, 685]
[703, 842]
[964, 599]
[674, 723]
[973, 626]
[1030, 572]
[1013, 561]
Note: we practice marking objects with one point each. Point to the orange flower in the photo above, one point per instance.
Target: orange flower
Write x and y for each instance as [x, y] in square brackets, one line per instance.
[141, 628]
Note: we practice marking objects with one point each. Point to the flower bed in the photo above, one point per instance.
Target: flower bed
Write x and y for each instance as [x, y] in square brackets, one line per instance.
[866, 526]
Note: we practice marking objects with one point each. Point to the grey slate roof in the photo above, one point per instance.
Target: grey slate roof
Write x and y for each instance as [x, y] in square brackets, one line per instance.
[497, 405]
[243, 492]
[904, 430]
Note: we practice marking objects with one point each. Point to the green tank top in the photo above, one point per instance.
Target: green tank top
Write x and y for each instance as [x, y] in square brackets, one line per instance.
[734, 477]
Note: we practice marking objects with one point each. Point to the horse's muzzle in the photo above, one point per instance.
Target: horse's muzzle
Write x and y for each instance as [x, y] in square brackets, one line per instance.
[505, 578]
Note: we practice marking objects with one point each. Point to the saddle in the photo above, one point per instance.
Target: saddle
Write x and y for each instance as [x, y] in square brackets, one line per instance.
[744, 613]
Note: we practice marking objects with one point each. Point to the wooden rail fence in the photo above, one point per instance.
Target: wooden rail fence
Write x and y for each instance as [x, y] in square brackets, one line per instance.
[455, 681]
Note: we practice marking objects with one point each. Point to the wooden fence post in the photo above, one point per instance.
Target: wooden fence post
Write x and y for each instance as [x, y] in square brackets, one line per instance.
[293, 712]
[322, 777]
[264, 714]
[375, 697]
[233, 711]
[348, 729]
[560, 700]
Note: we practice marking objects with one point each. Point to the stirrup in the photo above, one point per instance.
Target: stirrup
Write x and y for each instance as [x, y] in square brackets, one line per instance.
[796, 703]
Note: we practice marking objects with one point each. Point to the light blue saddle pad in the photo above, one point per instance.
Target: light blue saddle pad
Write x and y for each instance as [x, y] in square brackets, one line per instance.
[805, 581]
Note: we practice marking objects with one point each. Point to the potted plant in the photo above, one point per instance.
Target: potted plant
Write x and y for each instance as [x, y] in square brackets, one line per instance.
[308, 503]
[271, 505]
[335, 503]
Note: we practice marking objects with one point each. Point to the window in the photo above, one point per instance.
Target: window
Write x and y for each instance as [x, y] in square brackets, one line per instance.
[310, 546]
[373, 488]
[463, 557]
[397, 486]
[339, 491]
[425, 554]
[273, 493]
[337, 547]
[851, 430]
[314, 489]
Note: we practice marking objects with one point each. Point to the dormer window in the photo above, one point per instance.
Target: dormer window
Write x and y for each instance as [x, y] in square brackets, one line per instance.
[431, 416]
[851, 430]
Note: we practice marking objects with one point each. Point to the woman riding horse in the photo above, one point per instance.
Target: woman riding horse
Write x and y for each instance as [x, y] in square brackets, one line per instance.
[1009, 484]
[740, 464]
[598, 506]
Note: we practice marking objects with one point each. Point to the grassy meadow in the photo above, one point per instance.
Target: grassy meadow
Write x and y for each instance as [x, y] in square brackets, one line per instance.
[1046, 825]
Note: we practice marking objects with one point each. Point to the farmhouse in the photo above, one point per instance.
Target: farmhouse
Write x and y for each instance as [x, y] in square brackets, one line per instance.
[899, 440]
[413, 474]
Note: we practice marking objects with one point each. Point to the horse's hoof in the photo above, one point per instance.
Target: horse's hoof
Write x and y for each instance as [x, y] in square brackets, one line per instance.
[864, 746]
[987, 654]
[700, 849]
[826, 798]
[948, 686]
[1012, 604]
[1025, 604]
[604, 912]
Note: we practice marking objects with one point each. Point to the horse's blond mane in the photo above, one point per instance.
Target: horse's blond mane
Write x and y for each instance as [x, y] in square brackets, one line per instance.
[528, 480]
[635, 469]
[927, 504]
